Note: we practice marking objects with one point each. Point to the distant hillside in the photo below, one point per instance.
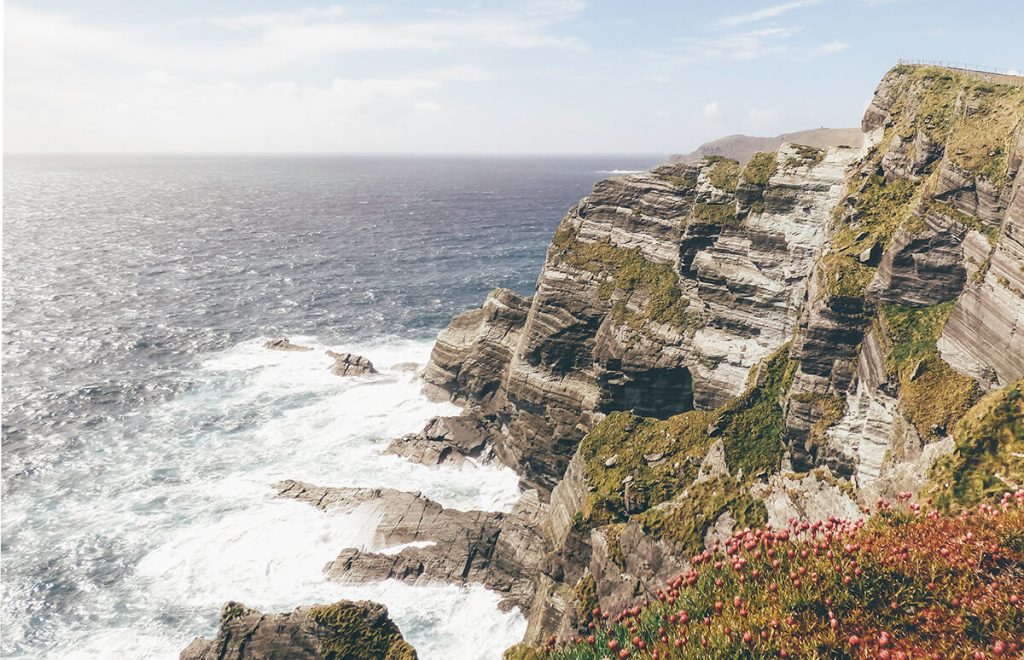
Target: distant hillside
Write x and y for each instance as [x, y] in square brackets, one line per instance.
[742, 147]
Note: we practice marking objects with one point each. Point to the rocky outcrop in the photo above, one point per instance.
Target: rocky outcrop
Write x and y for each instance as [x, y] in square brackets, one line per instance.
[284, 345]
[713, 346]
[418, 540]
[660, 291]
[450, 440]
[354, 630]
[350, 364]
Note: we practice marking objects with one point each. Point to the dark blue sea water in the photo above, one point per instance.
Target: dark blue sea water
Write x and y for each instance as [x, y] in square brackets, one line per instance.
[144, 424]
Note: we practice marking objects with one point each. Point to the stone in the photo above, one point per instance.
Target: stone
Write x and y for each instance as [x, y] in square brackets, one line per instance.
[350, 364]
[284, 345]
[426, 542]
[358, 630]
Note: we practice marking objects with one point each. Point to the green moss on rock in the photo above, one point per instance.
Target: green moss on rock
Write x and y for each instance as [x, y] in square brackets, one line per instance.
[685, 520]
[753, 423]
[760, 168]
[805, 156]
[933, 395]
[988, 458]
[722, 215]
[723, 173]
[633, 463]
[350, 631]
[629, 273]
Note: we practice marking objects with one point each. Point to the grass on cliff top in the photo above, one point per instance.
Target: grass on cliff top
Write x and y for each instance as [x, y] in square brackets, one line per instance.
[750, 428]
[723, 173]
[805, 156]
[978, 121]
[989, 454]
[628, 273]
[933, 395]
[347, 633]
[909, 582]
[760, 168]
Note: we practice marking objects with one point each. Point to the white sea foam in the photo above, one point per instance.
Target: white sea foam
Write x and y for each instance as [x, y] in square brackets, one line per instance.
[618, 171]
[216, 532]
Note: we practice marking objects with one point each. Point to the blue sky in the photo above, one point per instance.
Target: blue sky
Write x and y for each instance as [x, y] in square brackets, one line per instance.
[542, 76]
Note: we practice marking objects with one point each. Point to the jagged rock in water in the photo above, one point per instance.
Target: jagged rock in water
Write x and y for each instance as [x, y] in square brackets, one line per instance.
[447, 440]
[418, 540]
[350, 364]
[355, 630]
[284, 345]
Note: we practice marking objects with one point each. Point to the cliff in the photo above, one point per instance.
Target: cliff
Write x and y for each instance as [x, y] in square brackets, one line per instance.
[714, 346]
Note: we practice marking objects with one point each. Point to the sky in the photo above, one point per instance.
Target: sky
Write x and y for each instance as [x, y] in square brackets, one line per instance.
[535, 76]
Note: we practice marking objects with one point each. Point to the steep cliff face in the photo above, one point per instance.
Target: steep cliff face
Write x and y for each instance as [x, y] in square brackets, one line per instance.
[713, 346]
[659, 292]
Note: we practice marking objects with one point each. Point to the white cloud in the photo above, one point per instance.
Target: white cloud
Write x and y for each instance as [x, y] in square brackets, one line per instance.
[767, 12]
[831, 48]
[748, 45]
[712, 111]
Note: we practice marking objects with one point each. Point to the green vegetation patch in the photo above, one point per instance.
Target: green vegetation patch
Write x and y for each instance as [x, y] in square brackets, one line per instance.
[932, 394]
[685, 520]
[351, 634]
[628, 273]
[650, 461]
[722, 215]
[978, 121]
[760, 168]
[615, 451]
[989, 455]
[723, 173]
[882, 207]
[805, 156]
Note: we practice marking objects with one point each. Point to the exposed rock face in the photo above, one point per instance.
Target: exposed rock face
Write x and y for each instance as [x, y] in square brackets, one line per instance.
[985, 333]
[284, 345]
[417, 540]
[659, 292]
[712, 347]
[356, 630]
[447, 440]
[350, 364]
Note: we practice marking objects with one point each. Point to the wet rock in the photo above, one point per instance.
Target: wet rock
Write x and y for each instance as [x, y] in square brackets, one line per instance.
[284, 345]
[350, 364]
[417, 540]
[447, 440]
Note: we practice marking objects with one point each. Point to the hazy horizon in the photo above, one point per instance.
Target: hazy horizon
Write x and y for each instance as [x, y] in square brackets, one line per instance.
[540, 78]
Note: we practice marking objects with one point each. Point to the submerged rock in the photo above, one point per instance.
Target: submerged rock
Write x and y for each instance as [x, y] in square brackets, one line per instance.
[353, 630]
[284, 345]
[350, 364]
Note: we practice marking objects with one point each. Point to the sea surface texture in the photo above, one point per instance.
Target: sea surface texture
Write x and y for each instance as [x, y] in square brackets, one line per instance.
[144, 424]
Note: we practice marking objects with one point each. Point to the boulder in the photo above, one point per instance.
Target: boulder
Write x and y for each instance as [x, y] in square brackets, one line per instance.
[354, 630]
[284, 345]
[350, 364]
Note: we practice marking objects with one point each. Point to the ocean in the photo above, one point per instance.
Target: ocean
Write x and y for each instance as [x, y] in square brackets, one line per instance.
[144, 424]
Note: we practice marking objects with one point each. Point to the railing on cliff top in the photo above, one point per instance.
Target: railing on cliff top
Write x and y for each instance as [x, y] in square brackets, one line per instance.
[990, 73]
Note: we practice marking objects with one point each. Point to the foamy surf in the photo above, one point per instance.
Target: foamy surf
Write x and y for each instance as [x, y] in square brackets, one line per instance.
[216, 532]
